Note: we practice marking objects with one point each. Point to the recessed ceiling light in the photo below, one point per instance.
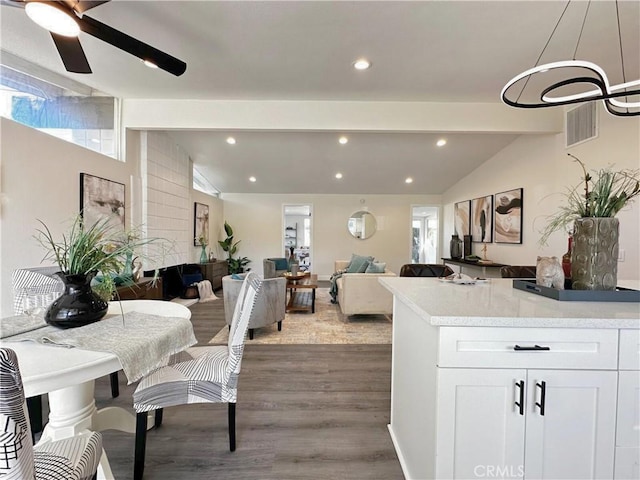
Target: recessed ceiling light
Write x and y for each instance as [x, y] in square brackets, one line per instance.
[150, 64]
[252, 179]
[408, 180]
[343, 140]
[52, 17]
[361, 64]
[231, 140]
[338, 175]
[441, 143]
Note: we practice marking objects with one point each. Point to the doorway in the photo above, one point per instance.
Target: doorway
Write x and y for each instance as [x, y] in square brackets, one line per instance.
[424, 234]
[297, 233]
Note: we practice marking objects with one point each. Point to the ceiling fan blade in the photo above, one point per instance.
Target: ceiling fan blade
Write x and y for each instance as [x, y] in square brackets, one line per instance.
[71, 53]
[131, 45]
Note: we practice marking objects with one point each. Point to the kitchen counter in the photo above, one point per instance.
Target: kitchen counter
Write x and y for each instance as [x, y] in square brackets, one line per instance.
[489, 381]
[497, 304]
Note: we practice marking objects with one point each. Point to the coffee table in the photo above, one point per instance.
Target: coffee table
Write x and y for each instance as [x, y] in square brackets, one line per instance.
[302, 301]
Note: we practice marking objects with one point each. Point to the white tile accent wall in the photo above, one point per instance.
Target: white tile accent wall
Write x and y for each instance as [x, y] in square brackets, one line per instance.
[166, 175]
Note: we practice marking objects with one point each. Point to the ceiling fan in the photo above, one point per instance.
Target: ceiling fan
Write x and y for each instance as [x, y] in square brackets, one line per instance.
[65, 19]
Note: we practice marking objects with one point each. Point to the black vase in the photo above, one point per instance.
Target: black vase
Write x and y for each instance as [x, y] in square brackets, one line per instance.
[78, 305]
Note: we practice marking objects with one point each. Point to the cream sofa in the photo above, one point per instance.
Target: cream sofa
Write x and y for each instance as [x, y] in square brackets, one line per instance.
[362, 293]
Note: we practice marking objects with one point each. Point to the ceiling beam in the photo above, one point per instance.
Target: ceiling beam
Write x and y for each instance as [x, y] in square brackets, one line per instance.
[150, 114]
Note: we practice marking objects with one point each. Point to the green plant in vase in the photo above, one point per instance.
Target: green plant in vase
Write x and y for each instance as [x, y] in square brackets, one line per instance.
[236, 265]
[202, 240]
[590, 210]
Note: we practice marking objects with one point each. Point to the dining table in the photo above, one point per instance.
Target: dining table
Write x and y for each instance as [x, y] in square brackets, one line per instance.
[136, 336]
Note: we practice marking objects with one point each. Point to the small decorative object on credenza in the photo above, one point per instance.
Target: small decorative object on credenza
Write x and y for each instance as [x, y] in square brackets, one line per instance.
[455, 246]
[594, 255]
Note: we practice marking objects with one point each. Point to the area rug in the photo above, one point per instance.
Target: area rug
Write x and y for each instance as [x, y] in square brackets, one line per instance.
[326, 326]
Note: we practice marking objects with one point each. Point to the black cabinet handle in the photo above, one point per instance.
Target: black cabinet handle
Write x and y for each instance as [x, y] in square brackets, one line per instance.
[520, 403]
[535, 348]
[543, 392]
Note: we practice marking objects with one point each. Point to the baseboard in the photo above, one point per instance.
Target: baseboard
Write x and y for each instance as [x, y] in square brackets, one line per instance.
[403, 465]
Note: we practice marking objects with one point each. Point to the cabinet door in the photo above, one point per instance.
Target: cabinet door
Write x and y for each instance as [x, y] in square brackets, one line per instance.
[570, 424]
[628, 426]
[480, 429]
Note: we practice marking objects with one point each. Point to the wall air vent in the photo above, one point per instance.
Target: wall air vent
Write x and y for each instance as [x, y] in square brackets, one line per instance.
[581, 124]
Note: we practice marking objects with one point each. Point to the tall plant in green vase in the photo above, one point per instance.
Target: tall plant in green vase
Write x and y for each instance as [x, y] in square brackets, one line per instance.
[590, 208]
[236, 265]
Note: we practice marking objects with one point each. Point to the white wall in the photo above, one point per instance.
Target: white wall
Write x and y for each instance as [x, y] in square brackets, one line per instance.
[539, 164]
[41, 180]
[257, 222]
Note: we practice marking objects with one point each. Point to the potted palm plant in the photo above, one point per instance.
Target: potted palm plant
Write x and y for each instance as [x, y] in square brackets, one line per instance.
[82, 253]
[590, 209]
[236, 265]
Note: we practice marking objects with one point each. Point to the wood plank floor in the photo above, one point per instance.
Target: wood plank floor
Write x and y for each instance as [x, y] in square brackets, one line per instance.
[304, 412]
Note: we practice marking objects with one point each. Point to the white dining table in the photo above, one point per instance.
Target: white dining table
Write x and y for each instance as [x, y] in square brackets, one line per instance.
[68, 376]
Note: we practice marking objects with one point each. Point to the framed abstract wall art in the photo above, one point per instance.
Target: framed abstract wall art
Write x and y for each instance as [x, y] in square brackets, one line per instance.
[200, 224]
[101, 198]
[462, 217]
[508, 216]
[482, 219]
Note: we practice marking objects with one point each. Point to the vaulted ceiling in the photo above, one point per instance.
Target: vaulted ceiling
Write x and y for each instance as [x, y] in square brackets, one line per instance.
[421, 51]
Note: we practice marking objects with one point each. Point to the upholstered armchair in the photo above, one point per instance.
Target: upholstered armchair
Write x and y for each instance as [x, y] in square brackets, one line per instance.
[274, 267]
[270, 305]
[425, 270]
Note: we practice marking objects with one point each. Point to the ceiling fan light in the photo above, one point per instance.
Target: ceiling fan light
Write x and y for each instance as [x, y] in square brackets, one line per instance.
[150, 64]
[52, 17]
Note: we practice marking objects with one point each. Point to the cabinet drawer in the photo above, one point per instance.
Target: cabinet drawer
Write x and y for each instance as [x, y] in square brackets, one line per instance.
[528, 348]
[629, 349]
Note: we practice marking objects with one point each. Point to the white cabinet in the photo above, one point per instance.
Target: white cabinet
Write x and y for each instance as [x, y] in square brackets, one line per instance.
[627, 465]
[531, 424]
[479, 428]
[501, 417]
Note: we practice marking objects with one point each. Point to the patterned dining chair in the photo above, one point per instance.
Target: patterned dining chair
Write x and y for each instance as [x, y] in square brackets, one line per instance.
[197, 375]
[72, 458]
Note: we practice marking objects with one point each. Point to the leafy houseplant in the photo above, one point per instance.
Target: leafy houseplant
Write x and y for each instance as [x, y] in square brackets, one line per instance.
[81, 254]
[603, 197]
[236, 265]
[591, 207]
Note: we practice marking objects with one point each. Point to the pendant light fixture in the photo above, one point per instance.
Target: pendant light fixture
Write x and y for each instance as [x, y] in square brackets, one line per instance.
[573, 81]
[51, 16]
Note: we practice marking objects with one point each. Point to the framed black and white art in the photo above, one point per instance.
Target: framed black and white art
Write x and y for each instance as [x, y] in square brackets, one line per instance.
[101, 198]
[482, 219]
[508, 216]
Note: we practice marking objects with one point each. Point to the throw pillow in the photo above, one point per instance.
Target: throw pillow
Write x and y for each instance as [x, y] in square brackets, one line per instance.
[236, 276]
[376, 267]
[281, 263]
[359, 263]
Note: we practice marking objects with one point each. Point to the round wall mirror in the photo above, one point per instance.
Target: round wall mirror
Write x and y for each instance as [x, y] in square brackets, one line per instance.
[362, 224]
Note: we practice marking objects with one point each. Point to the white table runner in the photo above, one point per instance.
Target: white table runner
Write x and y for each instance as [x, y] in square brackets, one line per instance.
[142, 342]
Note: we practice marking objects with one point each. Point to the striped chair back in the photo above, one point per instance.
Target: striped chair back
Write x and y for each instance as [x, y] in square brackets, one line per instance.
[16, 449]
[40, 284]
[247, 298]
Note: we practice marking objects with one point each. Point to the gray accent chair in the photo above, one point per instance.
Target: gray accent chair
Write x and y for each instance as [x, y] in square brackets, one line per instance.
[274, 267]
[270, 304]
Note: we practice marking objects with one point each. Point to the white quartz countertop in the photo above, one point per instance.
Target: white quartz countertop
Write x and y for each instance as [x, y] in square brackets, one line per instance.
[497, 304]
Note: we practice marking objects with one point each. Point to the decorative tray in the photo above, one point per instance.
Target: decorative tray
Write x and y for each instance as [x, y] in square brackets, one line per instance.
[297, 276]
[620, 294]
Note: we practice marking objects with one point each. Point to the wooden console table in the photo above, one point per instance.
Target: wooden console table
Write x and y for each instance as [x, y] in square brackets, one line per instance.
[142, 289]
[214, 271]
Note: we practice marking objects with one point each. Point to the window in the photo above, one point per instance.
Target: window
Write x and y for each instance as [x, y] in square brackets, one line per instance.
[203, 185]
[73, 112]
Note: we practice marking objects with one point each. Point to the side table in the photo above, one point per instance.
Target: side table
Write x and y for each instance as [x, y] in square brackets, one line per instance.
[214, 271]
[143, 289]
